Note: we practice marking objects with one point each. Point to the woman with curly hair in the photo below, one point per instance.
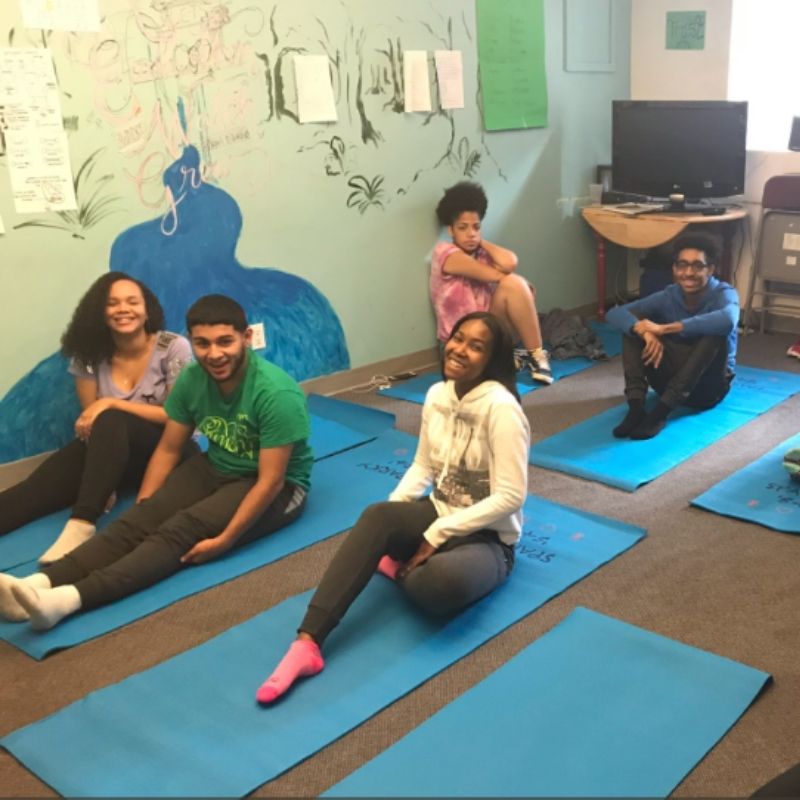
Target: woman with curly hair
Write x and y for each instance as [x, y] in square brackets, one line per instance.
[470, 273]
[124, 365]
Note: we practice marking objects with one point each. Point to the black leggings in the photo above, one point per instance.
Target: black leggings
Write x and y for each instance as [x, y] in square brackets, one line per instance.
[84, 474]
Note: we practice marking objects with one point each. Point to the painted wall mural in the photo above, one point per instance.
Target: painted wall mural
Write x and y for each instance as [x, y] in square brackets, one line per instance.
[231, 63]
[373, 97]
[193, 256]
[186, 98]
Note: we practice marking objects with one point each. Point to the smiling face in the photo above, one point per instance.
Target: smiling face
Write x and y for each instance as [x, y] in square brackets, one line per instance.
[691, 271]
[221, 351]
[466, 231]
[466, 354]
[125, 312]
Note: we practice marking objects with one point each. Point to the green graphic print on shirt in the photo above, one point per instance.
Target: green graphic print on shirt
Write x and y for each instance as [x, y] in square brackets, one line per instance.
[236, 436]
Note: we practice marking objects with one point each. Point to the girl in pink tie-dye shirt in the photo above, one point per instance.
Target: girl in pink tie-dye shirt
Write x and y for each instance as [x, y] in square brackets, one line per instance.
[471, 274]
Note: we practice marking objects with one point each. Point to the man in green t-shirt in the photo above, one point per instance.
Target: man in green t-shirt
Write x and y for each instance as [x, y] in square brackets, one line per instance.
[252, 481]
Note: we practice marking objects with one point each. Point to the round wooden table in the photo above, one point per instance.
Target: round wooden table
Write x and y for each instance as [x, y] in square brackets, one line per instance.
[651, 230]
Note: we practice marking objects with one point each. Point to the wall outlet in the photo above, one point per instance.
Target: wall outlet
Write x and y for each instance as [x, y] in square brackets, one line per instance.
[566, 205]
[259, 339]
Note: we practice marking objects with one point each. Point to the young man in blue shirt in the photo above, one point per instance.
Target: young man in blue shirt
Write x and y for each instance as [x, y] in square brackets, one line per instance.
[680, 341]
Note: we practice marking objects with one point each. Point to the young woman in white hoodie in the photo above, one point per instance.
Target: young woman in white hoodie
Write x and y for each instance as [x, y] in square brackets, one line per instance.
[455, 545]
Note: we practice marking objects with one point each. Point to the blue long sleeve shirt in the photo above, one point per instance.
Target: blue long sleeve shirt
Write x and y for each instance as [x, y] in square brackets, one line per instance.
[716, 313]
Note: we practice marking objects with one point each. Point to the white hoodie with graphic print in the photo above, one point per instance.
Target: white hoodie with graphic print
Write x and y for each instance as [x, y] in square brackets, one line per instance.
[474, 451]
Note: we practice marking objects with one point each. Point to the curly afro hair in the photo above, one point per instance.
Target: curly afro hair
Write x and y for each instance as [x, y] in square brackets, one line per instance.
[697, 241]
[87, 338]
[464, 196]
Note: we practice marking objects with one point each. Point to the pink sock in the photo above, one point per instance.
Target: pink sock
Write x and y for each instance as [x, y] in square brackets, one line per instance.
[301, 661]
[389, 567]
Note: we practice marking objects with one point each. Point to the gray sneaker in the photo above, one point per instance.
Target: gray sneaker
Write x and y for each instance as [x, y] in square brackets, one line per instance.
[537, 362]
[539, 366]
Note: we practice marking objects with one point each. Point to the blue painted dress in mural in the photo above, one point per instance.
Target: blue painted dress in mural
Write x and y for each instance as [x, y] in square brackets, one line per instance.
[189, 253]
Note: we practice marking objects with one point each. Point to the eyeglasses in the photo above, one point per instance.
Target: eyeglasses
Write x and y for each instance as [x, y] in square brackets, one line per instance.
[697, 266]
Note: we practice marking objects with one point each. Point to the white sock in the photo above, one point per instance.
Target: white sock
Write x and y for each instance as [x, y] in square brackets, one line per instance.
[46, 607]
[10, 609]
[75, 532]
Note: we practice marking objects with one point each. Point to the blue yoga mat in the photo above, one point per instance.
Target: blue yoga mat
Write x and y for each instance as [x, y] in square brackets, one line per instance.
[30, 541]
[415, 389]
[336, 425]
[191, 727]
[762, 493]
[588, 449]
[342, 486]
[594, 708]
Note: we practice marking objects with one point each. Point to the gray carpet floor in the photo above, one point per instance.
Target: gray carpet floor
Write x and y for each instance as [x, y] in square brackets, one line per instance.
[726, 586]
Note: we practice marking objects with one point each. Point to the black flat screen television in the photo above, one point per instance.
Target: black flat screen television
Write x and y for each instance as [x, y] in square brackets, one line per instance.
[695, 148]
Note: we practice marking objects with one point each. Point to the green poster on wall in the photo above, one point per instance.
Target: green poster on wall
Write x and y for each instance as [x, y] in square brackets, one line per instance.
[511, 57]
[686, 30]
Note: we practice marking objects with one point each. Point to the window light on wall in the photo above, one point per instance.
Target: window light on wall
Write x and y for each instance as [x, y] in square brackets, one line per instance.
[763, 68]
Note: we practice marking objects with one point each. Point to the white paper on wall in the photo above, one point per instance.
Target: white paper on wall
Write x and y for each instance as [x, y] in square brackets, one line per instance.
[61, 15]
[38, 164]
[36, 143]
[2, 227]
[450, 77]
[315, 101]
[416, 80]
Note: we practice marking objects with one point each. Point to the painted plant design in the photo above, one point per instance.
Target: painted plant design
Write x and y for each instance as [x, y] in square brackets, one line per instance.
[94, 202]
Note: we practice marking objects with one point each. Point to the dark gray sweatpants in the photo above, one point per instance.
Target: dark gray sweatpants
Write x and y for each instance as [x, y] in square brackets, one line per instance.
[145, 544]
[462, 571]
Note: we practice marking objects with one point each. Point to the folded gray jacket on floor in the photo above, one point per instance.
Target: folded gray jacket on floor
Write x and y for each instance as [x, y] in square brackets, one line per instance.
[567, 336]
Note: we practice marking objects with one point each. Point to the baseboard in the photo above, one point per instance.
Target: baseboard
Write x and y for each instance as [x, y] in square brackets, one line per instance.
[361, 376]
[422, 359]
[589, 310]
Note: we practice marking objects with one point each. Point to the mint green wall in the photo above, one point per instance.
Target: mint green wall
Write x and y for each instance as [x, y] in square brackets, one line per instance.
[370, 266]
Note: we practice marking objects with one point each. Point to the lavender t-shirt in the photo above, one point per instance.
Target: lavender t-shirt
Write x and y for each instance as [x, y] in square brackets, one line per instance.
[170, 355]
[455, 295]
